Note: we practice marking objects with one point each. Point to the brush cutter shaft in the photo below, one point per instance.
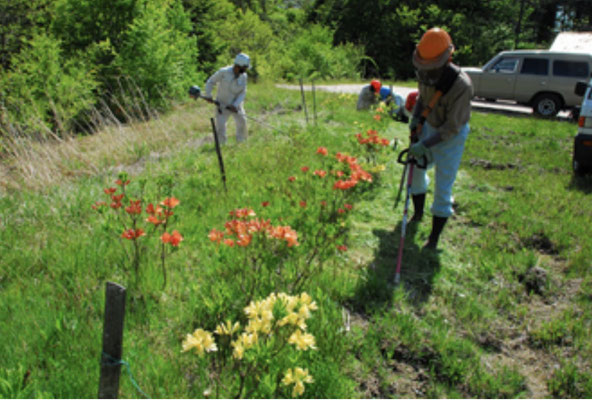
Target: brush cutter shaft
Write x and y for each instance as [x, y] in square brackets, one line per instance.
[404, 224]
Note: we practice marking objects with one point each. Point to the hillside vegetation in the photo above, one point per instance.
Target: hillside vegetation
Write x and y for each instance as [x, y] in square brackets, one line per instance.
[503, 310]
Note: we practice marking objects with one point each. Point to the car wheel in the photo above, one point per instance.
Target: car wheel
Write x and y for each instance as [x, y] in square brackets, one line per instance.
[546, 105]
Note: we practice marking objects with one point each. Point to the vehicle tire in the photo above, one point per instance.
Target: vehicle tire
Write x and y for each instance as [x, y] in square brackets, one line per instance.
[546, 105]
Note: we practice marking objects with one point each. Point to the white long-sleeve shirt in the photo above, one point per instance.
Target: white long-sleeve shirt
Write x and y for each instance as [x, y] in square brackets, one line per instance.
[231, 89]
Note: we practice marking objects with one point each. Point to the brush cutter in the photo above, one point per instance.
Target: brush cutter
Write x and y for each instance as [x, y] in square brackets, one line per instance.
[195, 92]
[409, 163]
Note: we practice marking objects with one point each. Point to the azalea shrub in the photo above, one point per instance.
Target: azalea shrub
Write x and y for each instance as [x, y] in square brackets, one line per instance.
[256, 251]
[262, 355]
[127, 220]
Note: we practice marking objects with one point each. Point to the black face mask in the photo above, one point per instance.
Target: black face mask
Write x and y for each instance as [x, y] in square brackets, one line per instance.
[429, 77]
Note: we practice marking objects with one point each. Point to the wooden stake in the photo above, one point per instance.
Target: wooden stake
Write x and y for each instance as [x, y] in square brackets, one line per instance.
[303, 101]
[112, 341]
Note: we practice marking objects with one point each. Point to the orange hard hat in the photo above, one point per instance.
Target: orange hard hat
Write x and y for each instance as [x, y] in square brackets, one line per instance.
[376, 85]
[433, 50]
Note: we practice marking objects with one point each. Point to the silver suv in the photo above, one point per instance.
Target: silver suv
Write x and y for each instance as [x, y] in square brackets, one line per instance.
[541, 79]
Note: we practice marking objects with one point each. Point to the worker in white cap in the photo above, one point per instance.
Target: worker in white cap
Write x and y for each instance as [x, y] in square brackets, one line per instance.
[231, 92]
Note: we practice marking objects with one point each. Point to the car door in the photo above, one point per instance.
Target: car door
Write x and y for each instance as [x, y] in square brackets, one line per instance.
[567, 71]
[498, 80]
[533, 78]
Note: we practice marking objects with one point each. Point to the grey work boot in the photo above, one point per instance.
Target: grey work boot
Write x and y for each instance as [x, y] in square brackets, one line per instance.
[418, 203]
[437, 226]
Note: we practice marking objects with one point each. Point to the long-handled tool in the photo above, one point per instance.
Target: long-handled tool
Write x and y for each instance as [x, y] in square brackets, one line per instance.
[409, 163]
[195, 92]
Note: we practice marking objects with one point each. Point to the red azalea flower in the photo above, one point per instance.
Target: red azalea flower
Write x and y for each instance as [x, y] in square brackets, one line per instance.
[320, 173]
[120, 183]
[341, 211]
[342, 247]
[348, 206]
[110, 190]
[323, 203]
[154, 220]
[216, 235]
[265, 204]
[170, 202]
[134, 207]
[229, 242]
[303, 204]
[292, 178]
[377, 117]
[304, 169]
[322, 150]
[98, 205]
[115, 205]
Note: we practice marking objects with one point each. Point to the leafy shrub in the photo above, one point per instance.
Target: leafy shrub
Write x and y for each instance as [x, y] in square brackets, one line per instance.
[45, 90]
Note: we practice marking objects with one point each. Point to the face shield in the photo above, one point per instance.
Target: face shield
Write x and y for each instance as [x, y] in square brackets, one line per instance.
[429, 77]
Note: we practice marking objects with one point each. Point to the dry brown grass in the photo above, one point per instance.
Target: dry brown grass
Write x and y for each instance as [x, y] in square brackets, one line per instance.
[34, 164]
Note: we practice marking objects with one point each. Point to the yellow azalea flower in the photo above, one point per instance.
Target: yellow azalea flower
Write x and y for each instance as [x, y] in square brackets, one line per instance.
[302, 341]
[227, 328]
[291, 319]
[238, 350]
[297, 377]
[200, 340]
[253, 309]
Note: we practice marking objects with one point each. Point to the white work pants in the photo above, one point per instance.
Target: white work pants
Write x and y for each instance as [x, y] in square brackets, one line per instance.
[240, 120]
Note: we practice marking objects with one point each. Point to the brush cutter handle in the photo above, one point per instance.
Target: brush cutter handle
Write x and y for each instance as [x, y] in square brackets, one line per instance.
[412, 160]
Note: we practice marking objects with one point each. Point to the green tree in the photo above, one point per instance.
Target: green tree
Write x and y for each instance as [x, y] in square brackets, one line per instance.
[20, 20]
[45, 90]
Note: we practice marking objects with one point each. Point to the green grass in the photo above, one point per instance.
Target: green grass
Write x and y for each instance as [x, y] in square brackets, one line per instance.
[463, 322]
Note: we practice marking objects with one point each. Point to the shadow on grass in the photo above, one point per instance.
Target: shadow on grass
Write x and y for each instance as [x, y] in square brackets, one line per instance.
[419, 266]
[581, 183]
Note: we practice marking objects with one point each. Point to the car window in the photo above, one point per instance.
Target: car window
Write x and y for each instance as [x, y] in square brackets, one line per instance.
[506, 65]
[576, 69]
[535, 66]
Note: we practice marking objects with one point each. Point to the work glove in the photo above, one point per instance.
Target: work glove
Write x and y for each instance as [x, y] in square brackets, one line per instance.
[418, 150]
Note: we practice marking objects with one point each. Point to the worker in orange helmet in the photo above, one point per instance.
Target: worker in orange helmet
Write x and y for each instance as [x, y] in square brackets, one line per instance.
[439, 125]
[368, 95]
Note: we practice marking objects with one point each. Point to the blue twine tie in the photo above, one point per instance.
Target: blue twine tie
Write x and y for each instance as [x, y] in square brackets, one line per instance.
[114, 362]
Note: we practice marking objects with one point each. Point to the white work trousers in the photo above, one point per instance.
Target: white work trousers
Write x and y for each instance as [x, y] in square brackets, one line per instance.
[240, 120]
[446, 157]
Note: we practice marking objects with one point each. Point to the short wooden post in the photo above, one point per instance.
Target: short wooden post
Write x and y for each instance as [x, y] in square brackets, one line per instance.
[303, 100]
[112, 341]
[219, 153]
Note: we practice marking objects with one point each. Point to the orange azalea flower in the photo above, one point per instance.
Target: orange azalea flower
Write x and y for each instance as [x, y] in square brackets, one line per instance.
[229, 242]
[292, 179]
[117, 198]
[174, 239]
[242, 213]
[134, 207]
[120, 183]
[377, 117]
[385, 142]
[304, 169]
[216, 235]
[339, 174]
[133, 234]
[302, 203]
[244, 240]
[342, 247]
[170, 202]
[265, 204]
[371, 132]
[340, 157]
[154, 220]
[110, 190]
[322, 150]
[320, 173]
[98, 205]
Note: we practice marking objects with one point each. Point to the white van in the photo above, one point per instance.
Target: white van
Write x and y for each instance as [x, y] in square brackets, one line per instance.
[582, 156]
